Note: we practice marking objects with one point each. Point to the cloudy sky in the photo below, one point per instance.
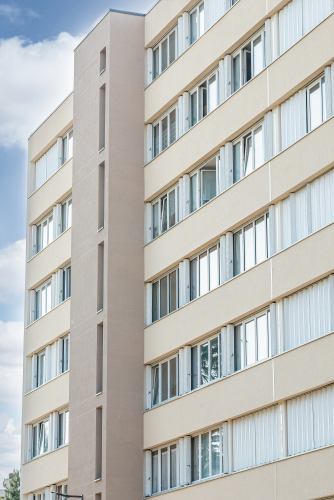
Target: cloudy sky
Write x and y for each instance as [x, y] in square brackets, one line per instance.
[37, 39]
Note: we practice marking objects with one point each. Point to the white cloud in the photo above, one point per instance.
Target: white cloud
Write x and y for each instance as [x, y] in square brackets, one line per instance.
[16, 15]
[34, 79]
[10, 442]
[11, 348]
[12, 262]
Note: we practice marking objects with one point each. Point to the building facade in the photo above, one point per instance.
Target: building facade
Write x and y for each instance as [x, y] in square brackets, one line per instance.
[179, 319]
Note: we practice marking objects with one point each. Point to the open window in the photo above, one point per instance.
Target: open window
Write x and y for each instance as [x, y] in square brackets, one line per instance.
[67, 282]
[66, 214]
[248, 152]
[251, 340]
[164, 211]
[205, 362]
[196, 22]
[203, 184]
[67, 146]
[165, 295]
[204, 98]
[164, 53]
[316, 104]
[206, 454]
[248, 61]
[165, 131]
[43, 299]
[165, 469]
[63, 426]
[204, 272]
[45, 232]
[165, 380]
[40, 438]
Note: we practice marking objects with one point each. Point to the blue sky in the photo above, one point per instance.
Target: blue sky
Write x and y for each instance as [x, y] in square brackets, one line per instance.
[37, 39]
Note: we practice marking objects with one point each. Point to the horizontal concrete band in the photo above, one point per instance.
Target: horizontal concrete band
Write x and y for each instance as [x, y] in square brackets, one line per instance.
[296, 267]
[244, 108]
[44, 471]
[294, 372]
[287, 172]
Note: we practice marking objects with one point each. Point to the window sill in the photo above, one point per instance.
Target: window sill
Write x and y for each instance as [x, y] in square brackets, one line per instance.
[100, 229]
[47, 246]
[100, 310]
[45, 383]
[99, 479]
[58, 305]
[102, 71]
[102, 149]
[98, 393]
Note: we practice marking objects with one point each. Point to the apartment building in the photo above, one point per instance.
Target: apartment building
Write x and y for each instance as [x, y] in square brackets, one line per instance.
[180, 341]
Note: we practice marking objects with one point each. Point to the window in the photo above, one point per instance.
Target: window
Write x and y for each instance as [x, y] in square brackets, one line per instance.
[165, 295]
[63, 424]
[66, 214]
[248, 61]
[205, 362]
[206, 454]
[251, 340]
[67, 282]
[248, 153]
[102, 117]
[67, 146]
[316, 104]
[250, 244]
[103, 60]
[45, 232]
[203, 184]
[39, 496]
[40, 437]
[164, 53]
[204, 272]
[204, 98]
[40, 368]
[165, 380]
[164, 211]
[65, 354]
[43, 299]
[196, 22]
[165, 474]
[164, 131]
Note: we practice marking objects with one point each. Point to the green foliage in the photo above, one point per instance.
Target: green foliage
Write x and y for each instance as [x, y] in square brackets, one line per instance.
[12, 489]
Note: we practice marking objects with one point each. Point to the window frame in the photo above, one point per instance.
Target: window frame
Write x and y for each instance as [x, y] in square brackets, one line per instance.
[67, 203]
[67, 282]
[158, 280]
[199, 435]
[159, 47]
[158, 122]
[159, 449]
[158, 201]
[199, 173]
[39, 355]
[196, 90]
[37, 425]
[240, 51]
[241, 139]
[65, 413]
[196, 9]
[320, 80]
[243, 349]
[66, 156]
[159, 365]
[197, 258]
[242, 228]
[39, 289]
[39, 230]
[198, 345]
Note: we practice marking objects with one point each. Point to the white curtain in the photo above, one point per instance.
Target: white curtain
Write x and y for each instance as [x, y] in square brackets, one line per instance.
[47, 165]
[286, 223]
[213, 10]
[301, 214]
[293, 119]
[307, 313]
[322, 201]
[255, 439]
[311, 421]
[314, 12]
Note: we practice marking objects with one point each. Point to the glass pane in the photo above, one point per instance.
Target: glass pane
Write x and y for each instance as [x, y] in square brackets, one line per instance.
[237, 246]
[195, 458]
[173, 466]
[212, 93]
[164, 381]
[213, 254]
[249, 247]
[156, 140]
[70, 144]
[258, 147]
[248, 152]
[41, 360]
[164, 469]
[193, 109]
[315, 106]
[205, 452]
[172, 40]
[237, 347]
[39, 238]
[323, 91]
[214, 358]
[66, 356]
[203, 273]
[155, 301]
[45, 234]
[65, 158]
[61, 429]
[215, 448]
[248, 64]
[164, 124]
[250, 343]
[260, 235]
[46, 437]
[262, 337]
[236, 73]
[41, 439]
[163, 297]
[35, 441]
[63, 218]
[43, 301]
[38, 304]
[155, 220]
[48, 297]
[209, 185]
[172, 126]
[155, 385]
[236, 163]
[193, 193]
[155, 473]
[201, 19]
[164, 214]
[204, 360]
[172, 292]
[258, 56]
[50, 230]
[194, 368]
[193, 27]
[155, 63]
[67, 415]
[171, 198]
[193, 279]
[69, 222]
[203, 101]
[164, 54]
[172, 378]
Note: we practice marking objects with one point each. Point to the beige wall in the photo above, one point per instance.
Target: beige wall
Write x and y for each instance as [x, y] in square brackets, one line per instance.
[46, 398]
[44, 471]
[242, 109]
